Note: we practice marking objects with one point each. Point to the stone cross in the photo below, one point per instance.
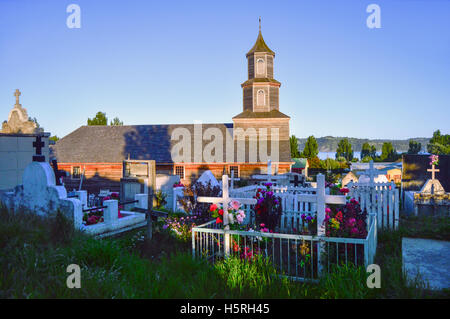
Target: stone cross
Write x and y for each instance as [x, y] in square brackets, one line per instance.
[38, 144]
[225, 200]
[17, 94]
[433, 170]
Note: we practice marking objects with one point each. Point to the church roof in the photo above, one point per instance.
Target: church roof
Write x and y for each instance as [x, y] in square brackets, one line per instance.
[260, 46]
[259, 80]
[113, 144]
[256, 115]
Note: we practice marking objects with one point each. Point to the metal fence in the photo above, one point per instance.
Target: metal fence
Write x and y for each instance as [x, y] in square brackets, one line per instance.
[299, 257]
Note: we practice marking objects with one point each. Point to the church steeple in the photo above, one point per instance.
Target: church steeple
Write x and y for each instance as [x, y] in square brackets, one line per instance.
[260, 45]
[261, 90]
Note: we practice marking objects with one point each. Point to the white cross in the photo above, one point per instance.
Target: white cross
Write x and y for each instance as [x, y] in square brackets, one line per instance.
[225, 200]
[371, 172]
[433, 170]
[269, 177]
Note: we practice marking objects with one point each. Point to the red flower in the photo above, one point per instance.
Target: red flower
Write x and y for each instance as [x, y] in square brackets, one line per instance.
[218, 220]
[339, 216]
[220, 212]
[213, 207]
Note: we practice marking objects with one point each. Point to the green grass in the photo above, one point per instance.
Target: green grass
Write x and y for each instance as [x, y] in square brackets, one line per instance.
[35, 253]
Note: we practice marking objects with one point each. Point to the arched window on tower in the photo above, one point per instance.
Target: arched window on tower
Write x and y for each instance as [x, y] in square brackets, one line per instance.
[260, 66]
[261, 98]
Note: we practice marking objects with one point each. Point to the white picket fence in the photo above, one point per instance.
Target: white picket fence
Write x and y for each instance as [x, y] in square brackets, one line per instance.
[382, 199]
[213, 243]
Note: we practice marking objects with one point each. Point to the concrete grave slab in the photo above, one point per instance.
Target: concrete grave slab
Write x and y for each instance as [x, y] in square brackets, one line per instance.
[430, 258]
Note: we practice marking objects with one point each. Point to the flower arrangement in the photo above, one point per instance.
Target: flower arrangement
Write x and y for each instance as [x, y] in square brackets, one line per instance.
[434, 160]
[346, 221]
[96, 216]
[178, 184]
[181, 227]
[190, 203]
[236, 215]
[268, 207]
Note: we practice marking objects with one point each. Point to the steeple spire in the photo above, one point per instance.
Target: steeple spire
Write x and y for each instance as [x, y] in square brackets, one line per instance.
[260, 45]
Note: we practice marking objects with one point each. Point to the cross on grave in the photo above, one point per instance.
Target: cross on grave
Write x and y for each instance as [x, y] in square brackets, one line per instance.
[433, 170]
[296, 181]
[371, 172]
[17, 94]
[225, 200]
[269, 177]
[38, 144]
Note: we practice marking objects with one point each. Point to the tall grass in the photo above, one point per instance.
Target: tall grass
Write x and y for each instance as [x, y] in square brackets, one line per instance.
[35, 252]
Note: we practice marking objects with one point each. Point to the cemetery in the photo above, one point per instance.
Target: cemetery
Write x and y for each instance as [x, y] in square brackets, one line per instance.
[217, 210]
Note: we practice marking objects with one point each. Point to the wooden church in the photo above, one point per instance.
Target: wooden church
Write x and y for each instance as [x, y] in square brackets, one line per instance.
[100, 151]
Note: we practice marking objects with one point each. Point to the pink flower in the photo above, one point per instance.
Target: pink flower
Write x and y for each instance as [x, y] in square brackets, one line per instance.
[234, 204]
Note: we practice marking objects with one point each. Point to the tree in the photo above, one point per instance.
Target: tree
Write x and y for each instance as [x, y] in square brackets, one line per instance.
[368, 150]
[311, 148]
[439, 144]
[414, 147]
[294, 147]
[116, 122]
[388, 153]
[366, 159]
[54, 138]
[99, 119]
[344, 149]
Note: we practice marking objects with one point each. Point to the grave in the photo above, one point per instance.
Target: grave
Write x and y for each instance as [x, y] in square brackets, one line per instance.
[39, 194]
[431, 200]
[429, 258]
[208, 177]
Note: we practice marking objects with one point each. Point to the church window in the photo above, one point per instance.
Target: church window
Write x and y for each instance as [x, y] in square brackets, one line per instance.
[235, 170]
[76, 172]
[261, 98]
[179, 170]
[260, 66]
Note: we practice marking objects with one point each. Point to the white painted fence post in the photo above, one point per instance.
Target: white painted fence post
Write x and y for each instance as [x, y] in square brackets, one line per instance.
[320, 218]
[396, 208]
[225, 194]
[82, 196]
[111, 212]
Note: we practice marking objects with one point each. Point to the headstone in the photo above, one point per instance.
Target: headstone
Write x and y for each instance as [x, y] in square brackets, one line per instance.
[208, 177]
[18, 120]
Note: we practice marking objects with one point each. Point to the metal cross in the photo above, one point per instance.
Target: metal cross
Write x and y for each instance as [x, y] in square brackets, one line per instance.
[296, 181]
[38, 144]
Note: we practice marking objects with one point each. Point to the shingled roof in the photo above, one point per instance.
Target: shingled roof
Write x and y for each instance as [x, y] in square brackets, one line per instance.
[260, 46]
[113, 144]
[260, 115]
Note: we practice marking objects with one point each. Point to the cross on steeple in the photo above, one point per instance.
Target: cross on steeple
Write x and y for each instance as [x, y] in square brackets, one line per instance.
[38, 145]
[17, 94]
[433, 170]
[260, 24]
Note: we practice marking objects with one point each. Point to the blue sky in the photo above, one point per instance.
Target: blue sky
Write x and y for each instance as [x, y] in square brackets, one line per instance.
[157, 62]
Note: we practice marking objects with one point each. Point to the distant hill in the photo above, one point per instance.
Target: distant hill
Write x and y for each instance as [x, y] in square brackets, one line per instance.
[329, 143]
